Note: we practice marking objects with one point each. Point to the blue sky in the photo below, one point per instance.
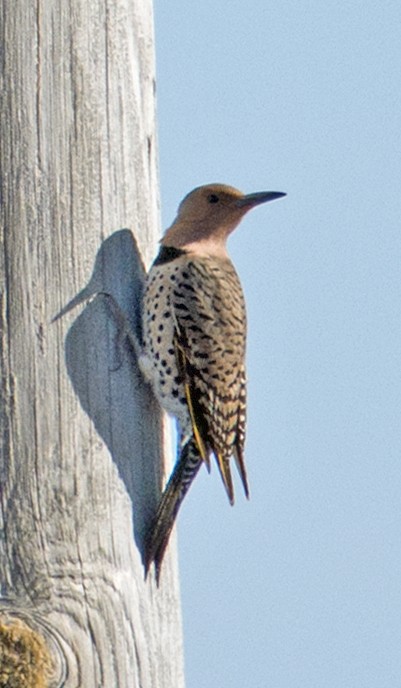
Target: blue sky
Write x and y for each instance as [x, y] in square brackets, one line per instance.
[300, 586]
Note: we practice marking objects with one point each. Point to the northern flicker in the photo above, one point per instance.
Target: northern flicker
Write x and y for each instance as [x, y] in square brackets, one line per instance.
[194, 329]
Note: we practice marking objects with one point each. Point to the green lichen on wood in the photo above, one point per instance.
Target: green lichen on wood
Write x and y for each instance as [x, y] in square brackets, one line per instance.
[25, 660]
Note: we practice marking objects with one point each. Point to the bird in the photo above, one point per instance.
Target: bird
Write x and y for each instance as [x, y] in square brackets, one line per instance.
[194, 342]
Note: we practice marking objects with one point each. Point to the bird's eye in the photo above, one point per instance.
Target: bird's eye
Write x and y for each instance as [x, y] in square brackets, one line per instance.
[213, 198]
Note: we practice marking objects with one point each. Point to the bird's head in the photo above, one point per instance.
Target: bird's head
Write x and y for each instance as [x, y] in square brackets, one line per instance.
[209, 213]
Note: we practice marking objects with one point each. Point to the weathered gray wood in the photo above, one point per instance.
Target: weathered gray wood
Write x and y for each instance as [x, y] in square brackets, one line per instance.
[81, 435]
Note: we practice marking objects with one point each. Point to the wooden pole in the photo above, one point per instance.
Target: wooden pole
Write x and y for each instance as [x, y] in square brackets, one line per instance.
[81, 436]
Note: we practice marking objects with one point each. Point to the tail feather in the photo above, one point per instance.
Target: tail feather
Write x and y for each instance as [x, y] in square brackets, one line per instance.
[225, 473]
[180, 481]
[240, 463]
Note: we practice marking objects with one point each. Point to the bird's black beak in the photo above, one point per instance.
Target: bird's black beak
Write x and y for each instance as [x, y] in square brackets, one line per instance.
[250, 200]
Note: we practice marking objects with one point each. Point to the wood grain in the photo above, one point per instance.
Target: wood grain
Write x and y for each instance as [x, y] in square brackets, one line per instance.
[82, 438]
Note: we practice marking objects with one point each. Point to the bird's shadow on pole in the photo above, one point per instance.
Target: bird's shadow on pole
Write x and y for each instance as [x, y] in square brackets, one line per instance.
[105, 376]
